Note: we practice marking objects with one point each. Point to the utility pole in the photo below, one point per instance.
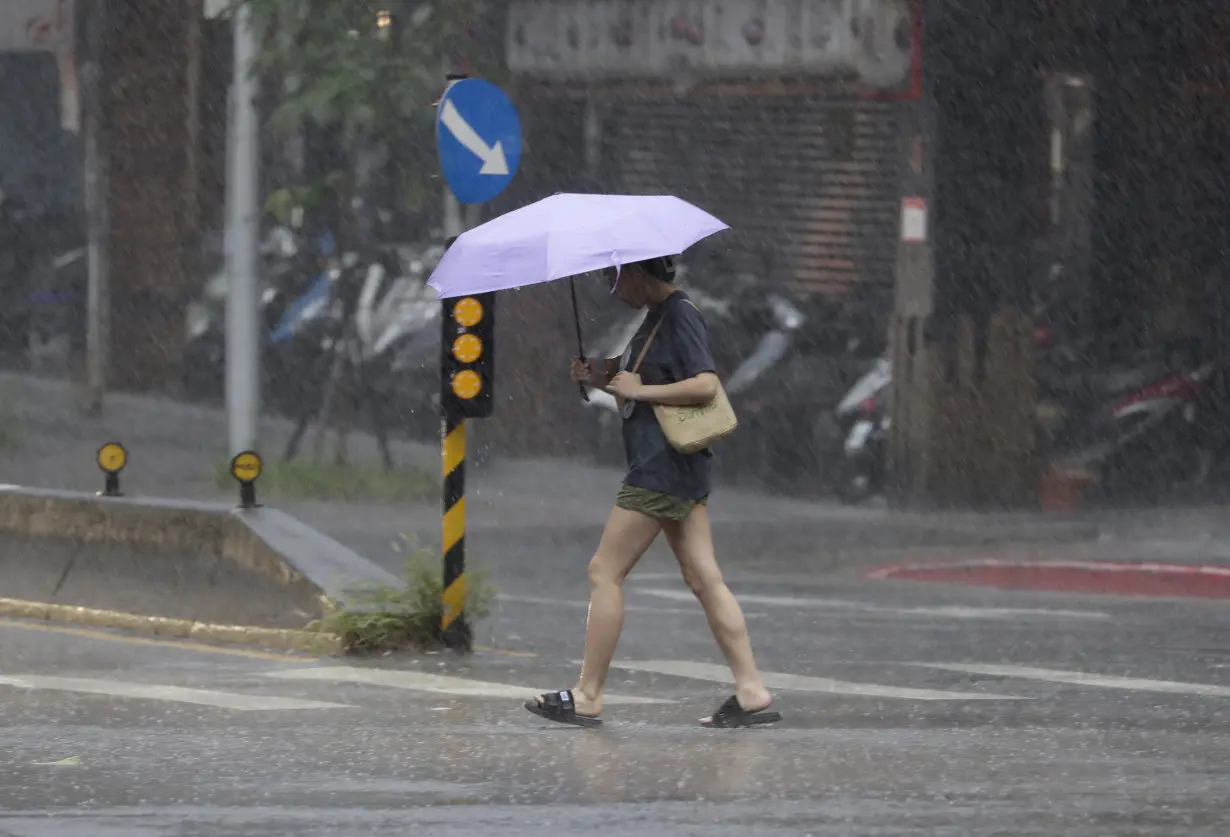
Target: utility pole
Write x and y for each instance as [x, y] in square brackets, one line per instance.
[964, 390]
[98, 295]
[453, 223]
[242, 231]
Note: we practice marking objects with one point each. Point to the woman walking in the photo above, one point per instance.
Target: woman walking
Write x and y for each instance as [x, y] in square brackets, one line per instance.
[667, 362]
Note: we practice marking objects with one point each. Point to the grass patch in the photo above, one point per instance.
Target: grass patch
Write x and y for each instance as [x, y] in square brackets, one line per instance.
[405, 618]
[304, 479]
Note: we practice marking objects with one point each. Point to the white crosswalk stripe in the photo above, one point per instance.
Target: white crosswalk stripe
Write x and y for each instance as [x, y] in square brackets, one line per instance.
[417, 681]
[320, 677]
[846, 605]
[583, 604]
[172, 694]
[795, 682]
[1077, 678]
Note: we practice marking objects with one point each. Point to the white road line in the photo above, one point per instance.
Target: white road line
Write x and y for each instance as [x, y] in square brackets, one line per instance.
[417, 681]
[954, 611]
[173, 694]
[695, 611]
[1077, 678]
[799, 683]
[968, 612]
[584, 605]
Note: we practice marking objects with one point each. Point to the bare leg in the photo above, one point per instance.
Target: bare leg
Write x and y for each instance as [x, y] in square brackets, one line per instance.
[624, 540]
[692, 543]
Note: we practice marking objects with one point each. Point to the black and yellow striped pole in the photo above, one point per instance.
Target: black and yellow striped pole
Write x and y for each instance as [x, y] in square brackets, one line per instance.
[467, 363]
[454, 628]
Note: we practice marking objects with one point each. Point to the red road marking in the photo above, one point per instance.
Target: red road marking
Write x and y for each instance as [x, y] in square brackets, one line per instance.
[1108, 577]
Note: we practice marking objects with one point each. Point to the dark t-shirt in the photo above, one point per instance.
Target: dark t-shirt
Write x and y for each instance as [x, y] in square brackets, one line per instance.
[679, 351]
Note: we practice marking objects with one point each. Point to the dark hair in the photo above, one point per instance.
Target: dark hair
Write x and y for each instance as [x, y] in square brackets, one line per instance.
[661, 267]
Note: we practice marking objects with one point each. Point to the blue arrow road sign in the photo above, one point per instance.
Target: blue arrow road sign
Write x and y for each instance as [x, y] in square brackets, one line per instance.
[478, 137]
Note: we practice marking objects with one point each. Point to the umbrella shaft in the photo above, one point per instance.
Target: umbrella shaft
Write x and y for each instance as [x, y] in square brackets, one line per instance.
[576, 319]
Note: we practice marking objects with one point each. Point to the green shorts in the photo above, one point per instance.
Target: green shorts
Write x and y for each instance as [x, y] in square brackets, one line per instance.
[655, 503]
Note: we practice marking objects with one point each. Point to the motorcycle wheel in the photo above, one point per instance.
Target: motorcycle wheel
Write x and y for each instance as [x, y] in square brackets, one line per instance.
[1197, 468]
[855, 479]
[204, 368]
[827, 453]
[296, 375]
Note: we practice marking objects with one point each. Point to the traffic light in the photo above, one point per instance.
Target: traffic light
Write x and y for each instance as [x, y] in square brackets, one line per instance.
[468, 362]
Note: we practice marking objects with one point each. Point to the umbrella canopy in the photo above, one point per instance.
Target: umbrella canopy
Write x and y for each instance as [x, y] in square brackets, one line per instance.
[567, 235]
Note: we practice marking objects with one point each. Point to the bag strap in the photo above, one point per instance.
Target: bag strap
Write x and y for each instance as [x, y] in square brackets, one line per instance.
[652, 334]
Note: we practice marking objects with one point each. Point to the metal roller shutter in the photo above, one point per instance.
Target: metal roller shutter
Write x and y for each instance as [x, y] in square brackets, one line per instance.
[814, 182]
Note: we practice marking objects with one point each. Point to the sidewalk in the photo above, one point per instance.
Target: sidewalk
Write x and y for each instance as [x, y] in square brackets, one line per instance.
[538, 503]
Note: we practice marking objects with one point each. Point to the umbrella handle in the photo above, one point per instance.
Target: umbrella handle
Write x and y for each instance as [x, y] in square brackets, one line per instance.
[576, 318]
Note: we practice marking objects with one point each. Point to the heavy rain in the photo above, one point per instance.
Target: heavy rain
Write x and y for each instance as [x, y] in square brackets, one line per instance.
[655, 417]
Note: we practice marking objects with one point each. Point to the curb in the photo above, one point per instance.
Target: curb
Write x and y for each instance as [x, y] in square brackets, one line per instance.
[315, 573]
[274, 639]
[1197, 581]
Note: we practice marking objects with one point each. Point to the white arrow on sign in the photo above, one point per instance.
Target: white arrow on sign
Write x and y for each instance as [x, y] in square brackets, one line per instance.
[494, 161]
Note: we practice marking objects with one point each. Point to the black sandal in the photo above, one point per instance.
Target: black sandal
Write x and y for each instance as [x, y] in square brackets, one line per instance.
[560, 707]
[731, 714]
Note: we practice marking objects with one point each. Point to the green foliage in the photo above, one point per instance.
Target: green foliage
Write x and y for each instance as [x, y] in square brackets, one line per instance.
[282, 203]
[304, 479]
[406, 617]
[371, 69]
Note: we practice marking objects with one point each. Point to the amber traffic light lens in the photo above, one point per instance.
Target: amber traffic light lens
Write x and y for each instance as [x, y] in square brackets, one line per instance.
[468, 312]
[467, 384]
[467, 348]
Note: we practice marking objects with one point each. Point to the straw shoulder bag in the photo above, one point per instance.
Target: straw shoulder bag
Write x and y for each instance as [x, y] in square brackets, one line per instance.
[696, 427]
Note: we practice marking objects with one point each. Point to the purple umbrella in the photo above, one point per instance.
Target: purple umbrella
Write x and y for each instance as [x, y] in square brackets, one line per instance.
[567, 235]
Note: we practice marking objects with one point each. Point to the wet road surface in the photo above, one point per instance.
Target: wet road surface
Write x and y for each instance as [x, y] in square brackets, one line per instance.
[909, 709]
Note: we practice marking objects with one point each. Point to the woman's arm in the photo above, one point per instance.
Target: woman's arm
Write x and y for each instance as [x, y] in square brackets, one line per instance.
[691, 348]
[689, 393]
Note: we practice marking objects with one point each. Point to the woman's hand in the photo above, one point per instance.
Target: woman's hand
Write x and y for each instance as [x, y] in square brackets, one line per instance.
[627, 385]
[582, 372]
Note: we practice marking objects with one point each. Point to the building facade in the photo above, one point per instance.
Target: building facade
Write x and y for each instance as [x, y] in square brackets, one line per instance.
[779, 116]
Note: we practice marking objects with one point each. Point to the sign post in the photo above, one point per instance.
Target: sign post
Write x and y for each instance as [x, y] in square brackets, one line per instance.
[243, 374]
[478, 138]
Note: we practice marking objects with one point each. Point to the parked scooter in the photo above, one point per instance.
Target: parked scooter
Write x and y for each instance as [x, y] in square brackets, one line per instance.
[395, 326]
[398, 323]
[286, 266]
[1142, 431]
[57, 310]
[863, 419]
